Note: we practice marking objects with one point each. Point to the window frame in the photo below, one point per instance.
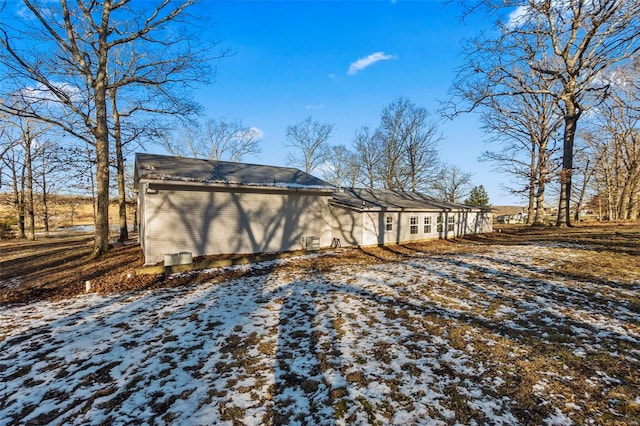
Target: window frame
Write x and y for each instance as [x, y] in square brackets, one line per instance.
[426, 225]
[388, 223]
[413, 225]
[451, 223]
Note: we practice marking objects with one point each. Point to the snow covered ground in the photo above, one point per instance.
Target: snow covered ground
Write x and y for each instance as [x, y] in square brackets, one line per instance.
[487, 336]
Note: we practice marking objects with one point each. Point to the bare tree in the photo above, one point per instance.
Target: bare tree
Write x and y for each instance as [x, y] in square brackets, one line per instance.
[614, 138]
[28, 138]
[308, 139]
[24, 139]
[51, 169]
[353, 172]
[66, 72]
[568, 43]
[215, 139]
[422, 158]
[367, 152]
[392, 134]
[231, 139]
[13, 160]
[452, 184]
[588, 39]
[408, 143]
[526, 125]
[339, 166]
[146, 81]
[582, 175]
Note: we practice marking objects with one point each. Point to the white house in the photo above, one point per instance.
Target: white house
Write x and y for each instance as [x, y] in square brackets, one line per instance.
[208, 207]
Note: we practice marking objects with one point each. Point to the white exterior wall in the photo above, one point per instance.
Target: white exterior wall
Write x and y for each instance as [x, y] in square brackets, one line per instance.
[485, 220]
[372, 228]
[346, 226]
[204, 221]
[374, 225]
[400, 228]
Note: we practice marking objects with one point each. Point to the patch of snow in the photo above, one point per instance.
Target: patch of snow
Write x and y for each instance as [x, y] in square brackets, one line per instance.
[382, 343]
[579, 352]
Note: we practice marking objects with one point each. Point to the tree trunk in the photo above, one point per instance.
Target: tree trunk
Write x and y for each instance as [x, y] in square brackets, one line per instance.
[623, 201]
[101, 241]
[538, 220]
[532, 186]
[101, 132]
[122, 199]
[531, 197]
[541, 178]
[635, 208]
[16, 200]
[135, 218]
[30, 208]
[583, 190]
[564, 202]
[21, 205]
[45, 198]
[632, 206]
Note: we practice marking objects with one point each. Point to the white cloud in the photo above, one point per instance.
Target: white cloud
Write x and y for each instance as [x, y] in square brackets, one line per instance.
[252, 133]
[318, 106]
[518, 16]
[256, 132]
[42, 94]
[528, 13]
[367, 61]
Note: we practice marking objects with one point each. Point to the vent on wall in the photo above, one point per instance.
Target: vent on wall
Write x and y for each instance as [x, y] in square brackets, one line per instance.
[311, 243]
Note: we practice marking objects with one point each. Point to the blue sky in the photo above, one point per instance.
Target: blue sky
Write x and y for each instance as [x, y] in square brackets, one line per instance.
[292, 59]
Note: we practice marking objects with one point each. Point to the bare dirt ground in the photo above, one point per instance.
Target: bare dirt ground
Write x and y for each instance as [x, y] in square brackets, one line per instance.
[55, 268]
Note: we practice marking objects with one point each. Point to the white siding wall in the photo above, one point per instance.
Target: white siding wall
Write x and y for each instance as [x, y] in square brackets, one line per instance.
[400, 231]
[206, 222]
[485, 222]
[346, 226]
[374, 226]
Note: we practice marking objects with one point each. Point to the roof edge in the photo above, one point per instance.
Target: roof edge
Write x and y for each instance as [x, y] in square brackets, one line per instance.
[269, 186]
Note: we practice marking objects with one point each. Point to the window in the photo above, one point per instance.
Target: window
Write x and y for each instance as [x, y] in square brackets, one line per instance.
[451, 224]
[439, 223]
[413, 229]
[388, 220]
[427, 225]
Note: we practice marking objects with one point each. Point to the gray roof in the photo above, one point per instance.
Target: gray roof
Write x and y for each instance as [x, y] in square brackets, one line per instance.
[180, 169]
[380, 199]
